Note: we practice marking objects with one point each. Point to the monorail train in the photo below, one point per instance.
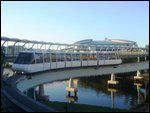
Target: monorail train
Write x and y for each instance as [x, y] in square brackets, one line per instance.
[36, 61]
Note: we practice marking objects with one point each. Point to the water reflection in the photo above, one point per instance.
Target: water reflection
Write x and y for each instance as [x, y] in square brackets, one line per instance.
[95, 91]
[138, 87]
[72, 99]
[112, 91]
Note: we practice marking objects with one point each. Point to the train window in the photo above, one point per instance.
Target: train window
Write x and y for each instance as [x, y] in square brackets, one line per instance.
[58, 57]
[62, 57]
[113, 56]
[68, 57]
[25, 58]
[53, 57]
[46, 57]
[39, 58]
[73, 57]
[77, 56]
[84, 57]
[101, 56]
[32, 59]
[106, 56]
[92, 56]
[88, 56]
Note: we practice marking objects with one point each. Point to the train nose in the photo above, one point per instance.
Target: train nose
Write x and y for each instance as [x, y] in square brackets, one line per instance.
[19, 67]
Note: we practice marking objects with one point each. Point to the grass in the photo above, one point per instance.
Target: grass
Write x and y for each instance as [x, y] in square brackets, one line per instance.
[140, 108]
[71, 107]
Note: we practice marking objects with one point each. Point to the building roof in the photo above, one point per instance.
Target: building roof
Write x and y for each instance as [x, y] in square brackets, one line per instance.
[108, 42]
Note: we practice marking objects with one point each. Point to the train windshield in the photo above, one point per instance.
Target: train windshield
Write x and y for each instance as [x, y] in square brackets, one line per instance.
[25, 58]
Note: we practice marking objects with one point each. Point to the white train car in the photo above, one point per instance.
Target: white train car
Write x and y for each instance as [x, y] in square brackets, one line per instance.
[37, 61]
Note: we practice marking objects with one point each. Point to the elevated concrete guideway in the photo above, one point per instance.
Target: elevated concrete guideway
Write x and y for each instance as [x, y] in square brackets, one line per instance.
[79, 72]
[22, 83]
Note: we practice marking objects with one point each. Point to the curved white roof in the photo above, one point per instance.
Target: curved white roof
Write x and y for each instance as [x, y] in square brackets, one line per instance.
[108, 42]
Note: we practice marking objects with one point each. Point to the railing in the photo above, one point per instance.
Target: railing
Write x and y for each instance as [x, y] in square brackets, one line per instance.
[125, 52]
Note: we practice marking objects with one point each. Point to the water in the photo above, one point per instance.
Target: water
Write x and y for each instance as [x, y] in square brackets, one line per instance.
[95, 91]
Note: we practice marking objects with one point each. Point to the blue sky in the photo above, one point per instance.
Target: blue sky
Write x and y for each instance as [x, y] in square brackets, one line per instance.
[68, 22]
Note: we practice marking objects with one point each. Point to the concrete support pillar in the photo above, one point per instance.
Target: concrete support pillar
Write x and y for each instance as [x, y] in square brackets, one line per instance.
[113, 80]
[31, 93]
[71, 85]
[112, 77]
[138, 76]
[138, 73]
[41, 90]
[41, 95]
[71, 88]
